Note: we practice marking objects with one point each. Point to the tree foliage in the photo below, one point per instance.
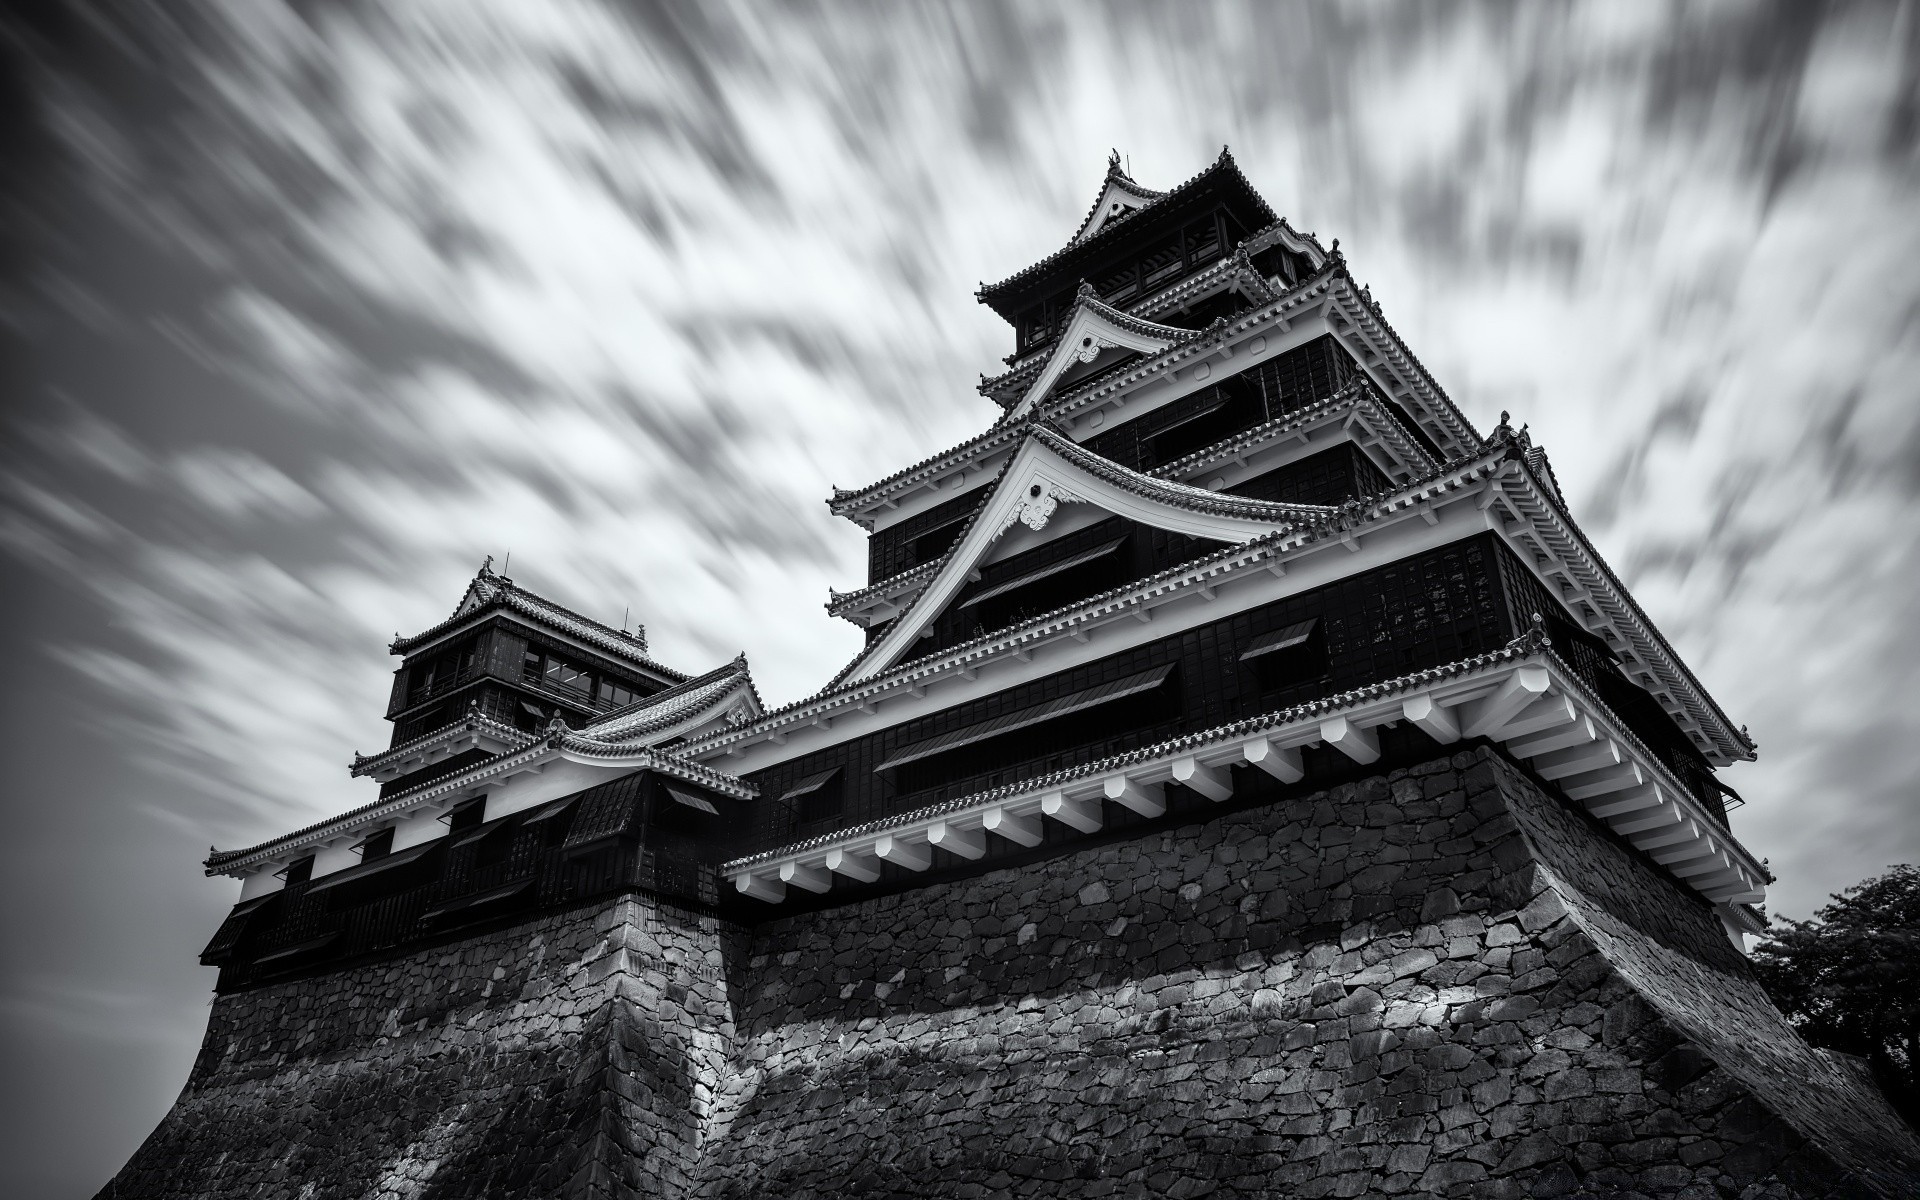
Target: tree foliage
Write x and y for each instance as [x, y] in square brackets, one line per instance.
[1849, 979]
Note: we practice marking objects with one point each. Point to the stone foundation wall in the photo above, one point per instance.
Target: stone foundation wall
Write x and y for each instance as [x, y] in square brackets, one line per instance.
[1438, 982]
[1441, 981]
[573, 1055]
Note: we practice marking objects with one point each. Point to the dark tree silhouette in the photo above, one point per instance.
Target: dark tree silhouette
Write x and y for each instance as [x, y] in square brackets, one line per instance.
[1849, 979]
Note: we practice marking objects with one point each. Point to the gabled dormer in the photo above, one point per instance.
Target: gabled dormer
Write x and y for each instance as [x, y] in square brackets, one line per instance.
[1020, 551]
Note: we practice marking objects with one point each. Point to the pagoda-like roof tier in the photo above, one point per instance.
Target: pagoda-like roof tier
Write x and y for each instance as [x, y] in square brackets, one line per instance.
[1219, 183]
[659, 713]
[490, 593]
[1351, 314]
[1498, 478]
[725, 694]
[1523, 696]
[1235, 270]
[475, 728]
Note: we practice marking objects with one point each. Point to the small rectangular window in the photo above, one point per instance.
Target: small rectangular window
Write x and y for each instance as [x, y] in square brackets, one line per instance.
[1106, 693]
[616, 695]
[376, 845]
[300, 870]
[466, 816]
[815, 797]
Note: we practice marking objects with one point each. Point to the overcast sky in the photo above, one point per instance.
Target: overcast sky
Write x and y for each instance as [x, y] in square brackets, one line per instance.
[313, 312]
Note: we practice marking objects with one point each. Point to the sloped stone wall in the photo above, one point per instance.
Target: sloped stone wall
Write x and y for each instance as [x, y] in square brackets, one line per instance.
[574, 1055]
[1438, 982]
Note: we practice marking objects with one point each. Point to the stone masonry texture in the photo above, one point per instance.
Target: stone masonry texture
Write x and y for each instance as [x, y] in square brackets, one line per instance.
[1441, 981]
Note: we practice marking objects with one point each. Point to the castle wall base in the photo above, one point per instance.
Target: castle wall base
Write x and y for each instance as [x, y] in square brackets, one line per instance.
[574, 1055]
[1439, 981]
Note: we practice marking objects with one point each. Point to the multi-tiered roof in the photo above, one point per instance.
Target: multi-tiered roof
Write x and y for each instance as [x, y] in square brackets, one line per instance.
[1228, 538]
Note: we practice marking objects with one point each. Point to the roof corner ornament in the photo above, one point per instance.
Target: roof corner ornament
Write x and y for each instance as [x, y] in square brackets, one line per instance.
[1084, 292]
[1113, 161]
[1534, 639]
[486, 568]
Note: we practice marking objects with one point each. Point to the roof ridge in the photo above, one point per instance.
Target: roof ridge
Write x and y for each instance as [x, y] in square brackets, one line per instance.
[1520, 647]
[502, 590]
[1223, 165]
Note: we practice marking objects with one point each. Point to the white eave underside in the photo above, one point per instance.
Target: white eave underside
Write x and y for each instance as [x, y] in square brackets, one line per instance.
[1523, 698]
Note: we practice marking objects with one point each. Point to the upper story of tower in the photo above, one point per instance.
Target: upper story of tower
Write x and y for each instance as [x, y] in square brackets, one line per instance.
[502, 666]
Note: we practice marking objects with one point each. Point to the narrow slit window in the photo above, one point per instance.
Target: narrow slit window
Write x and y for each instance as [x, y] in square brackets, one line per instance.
[1106, 693]
[1039, 573]
[1281, 639]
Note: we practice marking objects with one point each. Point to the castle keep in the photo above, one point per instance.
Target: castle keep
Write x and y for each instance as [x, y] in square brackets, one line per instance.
[1253, 783]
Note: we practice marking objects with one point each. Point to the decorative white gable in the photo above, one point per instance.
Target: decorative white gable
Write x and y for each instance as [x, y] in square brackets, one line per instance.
[1095, 331]
[1049, 471]
[1119, 195]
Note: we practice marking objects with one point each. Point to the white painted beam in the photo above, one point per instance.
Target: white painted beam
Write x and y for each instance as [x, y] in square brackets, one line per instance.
[1521, 689]
[1360, 745]
[1211, 782]
[1604, 782]
[770, 890]
[1021, 830]
[1083, 815]
[863, 868]
[914, 856]
[1658, 817]
[1632, 801]
[1550, 712]
[967, 843]
[1680, 853]
[814, 879]
[1578, 760]
[1145, 799]
[1577, 732]
[1281, 762]
[1440, 724]
[1659, 837]
[1710, 863]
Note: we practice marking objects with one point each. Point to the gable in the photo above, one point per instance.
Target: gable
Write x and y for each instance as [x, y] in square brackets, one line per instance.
[1120, 197]
[1095, 332]
[1045, 474]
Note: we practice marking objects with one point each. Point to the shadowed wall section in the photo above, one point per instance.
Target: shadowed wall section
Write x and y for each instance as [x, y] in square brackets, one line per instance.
[1406, 985]
[571, 1055]
[1437, 981]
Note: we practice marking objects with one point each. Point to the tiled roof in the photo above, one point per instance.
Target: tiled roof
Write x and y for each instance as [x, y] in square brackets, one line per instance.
[473, 722]
[641, 758]
[839, 602]
[1223, 166]
[1006, 429]
[1315, 520]
[676, 704]
[1530, 643]
[1126, 183]
[489, 591]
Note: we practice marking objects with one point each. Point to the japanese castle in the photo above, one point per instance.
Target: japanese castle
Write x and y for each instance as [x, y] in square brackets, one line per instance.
[1228, 541]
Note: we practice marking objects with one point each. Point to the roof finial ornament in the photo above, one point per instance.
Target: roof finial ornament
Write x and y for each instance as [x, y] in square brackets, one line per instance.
[1503, 432]
[486, 568]
[1085, 291]
[1113, 161]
